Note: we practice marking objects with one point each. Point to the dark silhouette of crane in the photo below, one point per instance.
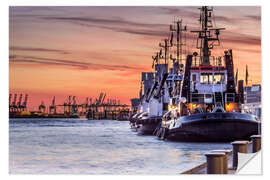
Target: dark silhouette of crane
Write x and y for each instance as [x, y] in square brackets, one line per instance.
[19, 103]
[74, 105]
[10, 105]
[42, 107]
[85, 105]
[24, 105]
[67, 106]
[52, 108]
[14, 107]
[102, 101]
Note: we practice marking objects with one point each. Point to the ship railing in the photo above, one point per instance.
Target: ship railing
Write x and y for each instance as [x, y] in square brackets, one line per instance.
[229, 97]
[201, 98]
[214, 61]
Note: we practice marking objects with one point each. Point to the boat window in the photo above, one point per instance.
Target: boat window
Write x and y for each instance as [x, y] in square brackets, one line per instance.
[219, 78]
[206, 78]
[210, 78]
[193, 77]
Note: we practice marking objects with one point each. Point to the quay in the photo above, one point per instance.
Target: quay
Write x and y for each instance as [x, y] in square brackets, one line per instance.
[227, 164]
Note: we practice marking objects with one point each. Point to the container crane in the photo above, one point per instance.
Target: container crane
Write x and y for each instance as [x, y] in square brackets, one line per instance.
[14, 107]
[10, 98]
[74, 105]
[42, 107]
[25, 102]
[19, 103]
[52, 106]
[103, 98]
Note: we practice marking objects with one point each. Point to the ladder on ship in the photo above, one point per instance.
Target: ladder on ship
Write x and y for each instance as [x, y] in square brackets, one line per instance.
[218, 98]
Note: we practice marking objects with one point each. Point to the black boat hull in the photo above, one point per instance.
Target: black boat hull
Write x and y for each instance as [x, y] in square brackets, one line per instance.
[148, 125]
[215, 127]
[147, 129]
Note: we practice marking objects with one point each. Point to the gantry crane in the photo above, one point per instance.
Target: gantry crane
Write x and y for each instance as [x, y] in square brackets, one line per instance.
[52, 107]
[19, 103]
[74, 105]
[24, 106]
[42, 107]
[10, 105]
[14, 107]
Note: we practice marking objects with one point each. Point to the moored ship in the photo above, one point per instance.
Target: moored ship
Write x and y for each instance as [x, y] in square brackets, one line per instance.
[209, 108]
[165, 82]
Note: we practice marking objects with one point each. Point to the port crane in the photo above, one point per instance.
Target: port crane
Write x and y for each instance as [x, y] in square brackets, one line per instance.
[52, 107]
[71, 107]
[24, 106]
[19, 103]
[13, 107]
[42, 107]
[10, 99]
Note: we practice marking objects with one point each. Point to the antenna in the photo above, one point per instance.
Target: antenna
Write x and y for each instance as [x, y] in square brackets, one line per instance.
[205, 34]
[165, 46]
[155, 59]
[178, 28]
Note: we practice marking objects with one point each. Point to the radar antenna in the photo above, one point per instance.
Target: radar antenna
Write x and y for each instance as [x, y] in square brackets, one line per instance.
[206, 40]
[178, 28]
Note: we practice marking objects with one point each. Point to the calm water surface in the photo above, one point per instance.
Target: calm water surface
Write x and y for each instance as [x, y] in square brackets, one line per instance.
[77, 146]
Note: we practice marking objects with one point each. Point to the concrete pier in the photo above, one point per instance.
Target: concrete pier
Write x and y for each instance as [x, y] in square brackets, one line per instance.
[256, 143]
[241, 146]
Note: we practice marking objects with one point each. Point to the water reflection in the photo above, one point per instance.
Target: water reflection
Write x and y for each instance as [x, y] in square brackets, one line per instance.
[96, 147]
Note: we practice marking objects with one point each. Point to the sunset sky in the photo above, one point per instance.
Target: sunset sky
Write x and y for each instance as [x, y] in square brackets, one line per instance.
[81, 51]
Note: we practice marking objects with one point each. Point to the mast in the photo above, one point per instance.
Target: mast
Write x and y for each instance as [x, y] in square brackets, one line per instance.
[166, 48]
[206, 40]
[178, 29]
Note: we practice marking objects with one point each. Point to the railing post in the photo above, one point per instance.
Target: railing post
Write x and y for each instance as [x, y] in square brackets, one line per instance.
[215, 162]
[241, 147]
[256, 143]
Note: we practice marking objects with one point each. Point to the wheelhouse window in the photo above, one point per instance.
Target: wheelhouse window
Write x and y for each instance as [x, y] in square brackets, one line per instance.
[193, 77]
[206, 78]
[219, 78]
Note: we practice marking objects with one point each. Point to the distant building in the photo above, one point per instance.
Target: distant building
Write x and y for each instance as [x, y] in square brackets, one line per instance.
[252, 95]
[135, 104]
[146, 82]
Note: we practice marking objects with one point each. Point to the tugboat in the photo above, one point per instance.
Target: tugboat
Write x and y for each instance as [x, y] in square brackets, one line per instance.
[148, 122]
[209, 108]
[166, 85]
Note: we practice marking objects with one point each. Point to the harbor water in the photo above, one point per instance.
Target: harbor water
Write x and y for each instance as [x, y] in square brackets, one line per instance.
[79, 146]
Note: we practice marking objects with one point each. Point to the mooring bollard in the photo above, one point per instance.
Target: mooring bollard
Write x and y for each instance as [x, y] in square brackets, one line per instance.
[215, 162]
[256, 143]
[241, 147]
[225, 160]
